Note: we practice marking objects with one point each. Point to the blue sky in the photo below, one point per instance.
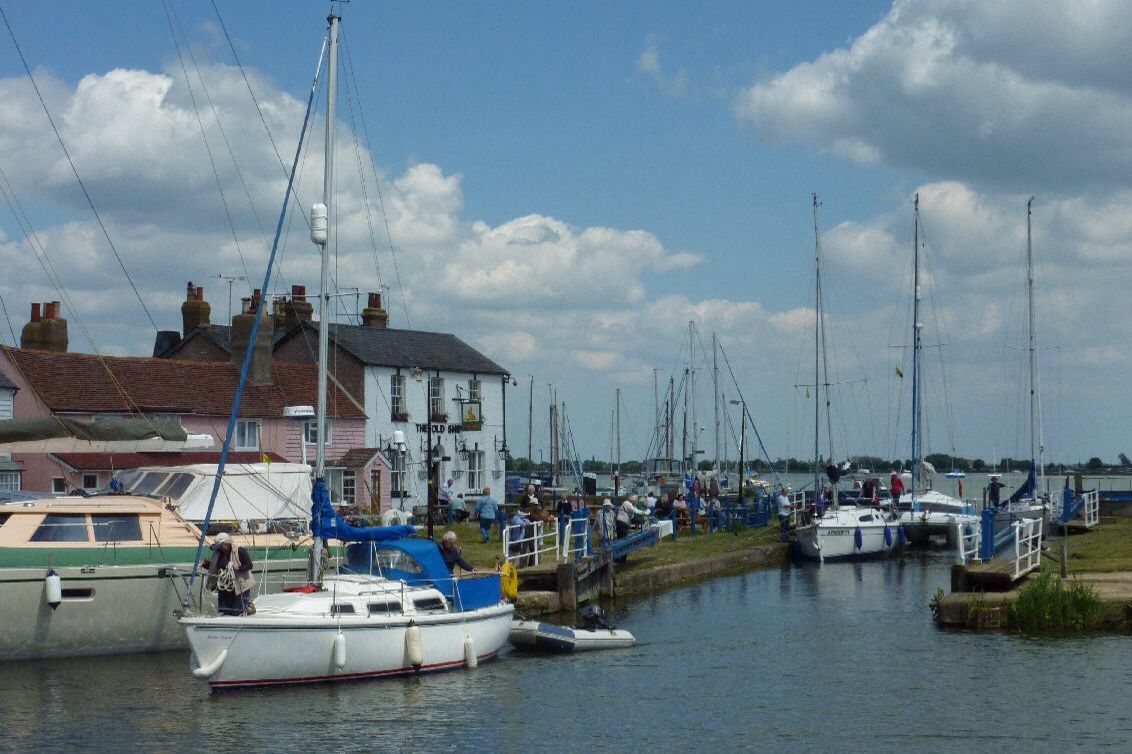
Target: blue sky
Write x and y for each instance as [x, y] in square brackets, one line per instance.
[567, 185]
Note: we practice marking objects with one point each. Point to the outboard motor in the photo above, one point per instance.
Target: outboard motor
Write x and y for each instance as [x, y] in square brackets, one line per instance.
[592, 616]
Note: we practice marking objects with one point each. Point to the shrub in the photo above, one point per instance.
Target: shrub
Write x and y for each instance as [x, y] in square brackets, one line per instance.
[1046, 603]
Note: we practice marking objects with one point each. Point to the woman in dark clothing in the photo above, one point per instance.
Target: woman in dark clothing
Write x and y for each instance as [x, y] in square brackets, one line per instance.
[451, 553]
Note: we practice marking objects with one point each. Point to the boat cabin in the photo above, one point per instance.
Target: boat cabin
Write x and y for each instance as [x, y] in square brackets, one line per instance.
[418, 562]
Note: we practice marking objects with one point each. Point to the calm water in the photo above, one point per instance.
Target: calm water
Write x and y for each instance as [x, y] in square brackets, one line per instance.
[838, 658]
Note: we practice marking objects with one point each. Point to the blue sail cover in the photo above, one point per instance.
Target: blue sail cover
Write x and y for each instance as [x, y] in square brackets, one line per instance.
[327, 524]
[1026, 491]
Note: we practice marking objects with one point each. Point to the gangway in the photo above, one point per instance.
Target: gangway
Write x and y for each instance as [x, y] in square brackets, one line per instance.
[1079, 511]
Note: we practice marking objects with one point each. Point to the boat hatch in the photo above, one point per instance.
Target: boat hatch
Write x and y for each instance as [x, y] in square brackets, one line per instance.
[341, 608]
[384, 608]
[429, 604]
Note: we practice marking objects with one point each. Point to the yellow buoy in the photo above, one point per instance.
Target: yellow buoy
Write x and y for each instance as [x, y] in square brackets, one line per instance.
[509, 581]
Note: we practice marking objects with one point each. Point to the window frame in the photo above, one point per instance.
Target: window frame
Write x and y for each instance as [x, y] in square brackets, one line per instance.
[242, 426]
[397, 478]
[310, 432]
[436, 399]
[476, 469]
[397, 397]
[475, 390]
[90, 487]
[59, 485]
[11, 476]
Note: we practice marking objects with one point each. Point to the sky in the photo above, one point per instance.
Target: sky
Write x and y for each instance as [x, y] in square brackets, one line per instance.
[567, 186]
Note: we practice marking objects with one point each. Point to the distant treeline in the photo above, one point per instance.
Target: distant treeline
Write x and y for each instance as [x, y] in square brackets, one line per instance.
[942, 463]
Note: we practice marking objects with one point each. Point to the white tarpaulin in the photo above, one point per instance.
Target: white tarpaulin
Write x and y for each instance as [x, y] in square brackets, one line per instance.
[249, 492]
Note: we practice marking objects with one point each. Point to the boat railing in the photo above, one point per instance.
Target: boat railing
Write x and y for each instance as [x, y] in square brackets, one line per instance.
[530, 544]
[1027, 546]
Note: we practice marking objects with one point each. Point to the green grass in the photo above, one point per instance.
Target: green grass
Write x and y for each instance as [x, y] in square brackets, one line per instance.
[686, 548]
[1047, 603]
[1105, 549]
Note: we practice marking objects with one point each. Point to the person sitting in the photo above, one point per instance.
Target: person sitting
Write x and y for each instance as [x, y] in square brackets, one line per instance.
[627, 514]
[664, 508]
[457, 510]
[451, 554]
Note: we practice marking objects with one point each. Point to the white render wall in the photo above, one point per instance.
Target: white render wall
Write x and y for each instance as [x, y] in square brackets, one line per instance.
[380, 427]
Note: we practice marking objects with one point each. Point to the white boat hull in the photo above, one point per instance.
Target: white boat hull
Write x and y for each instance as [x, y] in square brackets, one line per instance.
[547, 637]
[842, 534]
[273, 652]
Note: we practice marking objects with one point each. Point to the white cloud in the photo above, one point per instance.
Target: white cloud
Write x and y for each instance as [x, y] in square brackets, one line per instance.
[649, 64]
[1005, 94]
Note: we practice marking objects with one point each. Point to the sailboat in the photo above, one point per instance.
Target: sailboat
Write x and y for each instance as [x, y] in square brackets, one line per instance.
[392, 609]
[927, 512]
[836, 531]
[1027, 501]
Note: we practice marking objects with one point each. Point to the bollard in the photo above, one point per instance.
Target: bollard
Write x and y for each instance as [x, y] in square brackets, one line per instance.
[986, 547]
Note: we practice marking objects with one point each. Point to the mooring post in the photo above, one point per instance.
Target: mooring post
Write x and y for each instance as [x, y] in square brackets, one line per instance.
[986, 547]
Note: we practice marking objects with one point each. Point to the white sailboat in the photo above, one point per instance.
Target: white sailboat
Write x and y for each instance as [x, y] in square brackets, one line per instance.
[396, 611]
[836, 531]
[928, 512]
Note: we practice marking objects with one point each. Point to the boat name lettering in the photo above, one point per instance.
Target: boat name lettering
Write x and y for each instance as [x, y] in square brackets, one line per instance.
[837, 532]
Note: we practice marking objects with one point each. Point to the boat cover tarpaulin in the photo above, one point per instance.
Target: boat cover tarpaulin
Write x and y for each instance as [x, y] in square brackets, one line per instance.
[326, 523]
[116, 434]
[248, 492]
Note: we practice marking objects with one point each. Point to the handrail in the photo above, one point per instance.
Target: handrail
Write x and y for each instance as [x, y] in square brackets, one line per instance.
[1027, 546]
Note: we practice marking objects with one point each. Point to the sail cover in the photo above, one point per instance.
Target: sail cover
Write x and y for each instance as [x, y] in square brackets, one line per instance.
[106, 435]
[248, 492]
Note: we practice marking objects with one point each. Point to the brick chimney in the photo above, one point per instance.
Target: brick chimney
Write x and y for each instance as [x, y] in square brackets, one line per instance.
[32, 334]
[54, 329]
[297, 310]
[373, 315]
[195, 311]
[260, 373]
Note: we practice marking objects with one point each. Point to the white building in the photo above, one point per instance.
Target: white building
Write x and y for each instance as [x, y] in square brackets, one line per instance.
[416, 382]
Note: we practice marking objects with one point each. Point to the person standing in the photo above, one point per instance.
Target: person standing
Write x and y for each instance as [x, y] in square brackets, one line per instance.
[994, 490]
[458, 509]
[487, 511]
[230, 572]
[895, 488]
[606, 522]
[444, 497]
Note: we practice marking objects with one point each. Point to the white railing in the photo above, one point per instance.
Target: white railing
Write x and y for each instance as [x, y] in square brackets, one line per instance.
[970, 539]
[1092, 508]
[1027, 546]
[530, 544]
[574, 540]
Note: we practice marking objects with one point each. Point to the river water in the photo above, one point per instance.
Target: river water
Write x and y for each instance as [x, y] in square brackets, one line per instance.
[842, 657]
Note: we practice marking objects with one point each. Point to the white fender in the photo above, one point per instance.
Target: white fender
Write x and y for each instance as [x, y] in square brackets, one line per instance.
[470, 652]
[340, 650]
[413, 652]
[53, 589]
[206, 671]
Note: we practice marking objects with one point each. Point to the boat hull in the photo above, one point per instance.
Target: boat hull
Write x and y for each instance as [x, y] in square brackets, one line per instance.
[842, 535]
[105, 609]
[547, 637]
[270, 653]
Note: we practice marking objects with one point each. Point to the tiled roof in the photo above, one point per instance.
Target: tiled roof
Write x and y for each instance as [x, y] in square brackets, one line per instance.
[380, 346]
[82, 383]
[221, 336]
[356, 458]
[118, 461]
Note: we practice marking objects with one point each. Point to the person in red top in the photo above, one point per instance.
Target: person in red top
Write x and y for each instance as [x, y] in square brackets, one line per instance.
[896, 488]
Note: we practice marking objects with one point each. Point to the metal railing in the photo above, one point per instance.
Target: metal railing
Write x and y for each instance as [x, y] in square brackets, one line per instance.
[1027, 546]
[1092, 508]
[530, 544]
[969, 538]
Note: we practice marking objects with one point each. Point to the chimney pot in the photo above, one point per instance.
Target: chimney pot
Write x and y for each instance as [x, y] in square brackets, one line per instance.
[35, 313]
[200, 293]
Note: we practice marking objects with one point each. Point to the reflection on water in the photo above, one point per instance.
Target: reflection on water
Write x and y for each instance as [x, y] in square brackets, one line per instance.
[836, 658]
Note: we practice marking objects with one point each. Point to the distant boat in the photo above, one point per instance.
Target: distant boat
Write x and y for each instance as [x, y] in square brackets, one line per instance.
[956, 474]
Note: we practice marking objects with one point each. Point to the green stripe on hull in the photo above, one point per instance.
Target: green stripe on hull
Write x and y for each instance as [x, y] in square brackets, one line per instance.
[75, 557]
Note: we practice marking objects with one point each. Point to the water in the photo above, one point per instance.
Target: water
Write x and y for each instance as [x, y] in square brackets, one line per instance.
[836, 658]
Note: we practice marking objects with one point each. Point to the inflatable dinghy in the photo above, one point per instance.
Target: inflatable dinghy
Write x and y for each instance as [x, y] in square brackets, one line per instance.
[548, 637]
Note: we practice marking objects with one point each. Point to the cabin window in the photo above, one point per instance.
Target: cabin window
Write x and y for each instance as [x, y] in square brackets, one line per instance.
[396, 560]
[149, 483]
[344, 608]
[866, 518]
[77, 594]
[90, 482]
[9, 481]
[62, 527]
[397, 396]
[310, 432]
[175, 486]
[4, 517]
[429, 603]
[436, 399]
[115, 527]
[475, 470]
[384, 608]
[247, 434]
[58, 485]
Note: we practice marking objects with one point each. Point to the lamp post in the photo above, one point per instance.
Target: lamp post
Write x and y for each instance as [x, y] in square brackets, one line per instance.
[742, 441]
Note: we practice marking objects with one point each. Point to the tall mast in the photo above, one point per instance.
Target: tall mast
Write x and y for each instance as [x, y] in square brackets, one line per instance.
[530, 430]
[917, 327]
[1036, 444]
[692, 387]
[617, 420]
[322, 233]
[817, 350]
[715, 397]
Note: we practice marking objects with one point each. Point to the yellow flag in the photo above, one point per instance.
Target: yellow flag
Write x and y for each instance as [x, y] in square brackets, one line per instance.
[264, 458]
[899, 373]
